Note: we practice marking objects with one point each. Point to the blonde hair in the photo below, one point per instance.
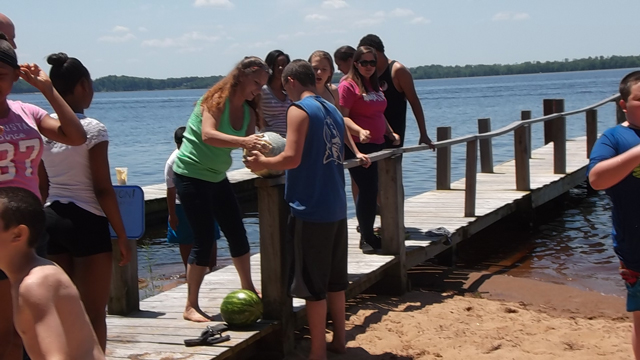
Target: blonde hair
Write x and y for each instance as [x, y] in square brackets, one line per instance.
[321, 54]
[214, 99]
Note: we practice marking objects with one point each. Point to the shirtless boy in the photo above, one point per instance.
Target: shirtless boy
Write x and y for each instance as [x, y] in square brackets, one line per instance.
[47, 310]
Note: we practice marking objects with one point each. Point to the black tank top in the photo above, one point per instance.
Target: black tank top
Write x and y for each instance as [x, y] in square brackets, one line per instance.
[396, 111]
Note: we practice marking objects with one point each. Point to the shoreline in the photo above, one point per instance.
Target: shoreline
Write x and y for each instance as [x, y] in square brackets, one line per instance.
[506, 318]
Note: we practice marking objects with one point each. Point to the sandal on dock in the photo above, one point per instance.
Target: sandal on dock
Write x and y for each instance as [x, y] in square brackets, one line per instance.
[210, 336]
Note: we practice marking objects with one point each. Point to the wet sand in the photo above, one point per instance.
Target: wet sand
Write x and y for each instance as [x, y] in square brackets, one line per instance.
[488, 317]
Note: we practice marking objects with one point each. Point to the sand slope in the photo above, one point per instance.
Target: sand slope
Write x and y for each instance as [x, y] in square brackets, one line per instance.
[431, 325]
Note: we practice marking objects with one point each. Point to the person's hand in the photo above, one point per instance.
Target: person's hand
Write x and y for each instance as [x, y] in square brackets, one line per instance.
[424, 139]
[395, 137]
[364, 136]
[32, 74]
[254, 142]
[253, 161]
[173, 222]
[125, 251]
[363, 159]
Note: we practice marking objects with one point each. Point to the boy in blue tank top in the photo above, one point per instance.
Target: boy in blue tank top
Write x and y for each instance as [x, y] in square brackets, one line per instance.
[315, 191]
[614, 166]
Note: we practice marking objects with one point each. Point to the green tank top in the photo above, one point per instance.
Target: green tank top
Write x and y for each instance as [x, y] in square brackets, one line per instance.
[203, 161]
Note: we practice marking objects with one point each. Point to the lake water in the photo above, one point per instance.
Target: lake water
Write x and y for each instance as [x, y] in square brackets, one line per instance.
[573, 248]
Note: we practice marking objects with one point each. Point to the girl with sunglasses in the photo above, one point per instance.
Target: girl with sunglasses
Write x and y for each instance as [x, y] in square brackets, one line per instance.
[362, 100]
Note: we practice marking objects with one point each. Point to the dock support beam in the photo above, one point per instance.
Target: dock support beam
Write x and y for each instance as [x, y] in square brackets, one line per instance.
[522, 153]
[620, 115]
[274, 259]
[547, 109]
[592, 129]
[392, 221]
[124, 297]
[471, 175]
[486, 147]
[559, 139]
[443, 160]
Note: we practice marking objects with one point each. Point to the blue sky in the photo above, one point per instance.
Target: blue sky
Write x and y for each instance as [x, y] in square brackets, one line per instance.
[174, 38]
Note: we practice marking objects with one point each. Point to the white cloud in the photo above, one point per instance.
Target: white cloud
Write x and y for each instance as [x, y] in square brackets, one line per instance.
[183, 41]
[214, 3]
[119, 28]
[399, 12]
[378, 14]
[315, 17]
[521, 16]
[116, 39]
[143, 29]
[419, 20]
[510, 16]
[334, 4]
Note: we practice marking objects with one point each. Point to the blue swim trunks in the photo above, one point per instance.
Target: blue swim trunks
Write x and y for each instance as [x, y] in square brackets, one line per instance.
[633, 296]
[184, 235]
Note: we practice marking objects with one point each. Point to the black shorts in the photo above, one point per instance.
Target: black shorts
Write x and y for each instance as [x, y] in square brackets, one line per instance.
[76, 231]
[41, 250]
[319, 258]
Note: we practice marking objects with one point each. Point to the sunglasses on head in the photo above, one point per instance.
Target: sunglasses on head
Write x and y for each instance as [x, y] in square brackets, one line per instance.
[365, 63]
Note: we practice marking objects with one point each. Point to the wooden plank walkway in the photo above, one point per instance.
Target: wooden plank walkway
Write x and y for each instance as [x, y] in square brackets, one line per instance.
[158, 331]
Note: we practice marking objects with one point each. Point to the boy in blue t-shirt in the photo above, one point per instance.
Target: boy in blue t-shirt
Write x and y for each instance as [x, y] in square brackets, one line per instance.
[178, 229]
[315, 192]
[614, 166]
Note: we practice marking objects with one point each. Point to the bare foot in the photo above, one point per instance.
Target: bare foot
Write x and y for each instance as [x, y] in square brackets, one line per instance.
[195, 315]
[253, 290]
[336, 348]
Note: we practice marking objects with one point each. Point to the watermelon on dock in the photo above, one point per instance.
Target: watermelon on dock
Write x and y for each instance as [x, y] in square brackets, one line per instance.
[241, 308]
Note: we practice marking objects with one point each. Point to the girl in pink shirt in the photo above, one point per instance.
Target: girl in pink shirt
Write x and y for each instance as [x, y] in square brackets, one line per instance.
[362, 100]
[21, 126]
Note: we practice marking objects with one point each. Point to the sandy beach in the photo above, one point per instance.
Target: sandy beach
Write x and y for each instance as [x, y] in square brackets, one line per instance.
[488, 317]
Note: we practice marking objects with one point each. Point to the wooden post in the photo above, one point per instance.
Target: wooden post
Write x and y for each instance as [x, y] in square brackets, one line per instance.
[547, 109]
[392, 221]
[526, 115]
[592, 129]
[486, 148]
[620, 115]
[443, 160]
[124, 297]
[521, 152]
[273, 214]
[471, 179]
[559, 139]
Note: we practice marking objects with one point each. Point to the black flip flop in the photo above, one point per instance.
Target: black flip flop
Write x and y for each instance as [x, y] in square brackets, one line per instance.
[210, 336]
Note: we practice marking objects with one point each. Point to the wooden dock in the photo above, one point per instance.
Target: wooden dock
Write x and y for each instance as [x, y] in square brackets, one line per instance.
[464, 208]
[157, 331]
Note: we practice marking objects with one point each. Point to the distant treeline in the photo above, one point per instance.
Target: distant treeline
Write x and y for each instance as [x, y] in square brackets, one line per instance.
[130, 83]
[590, 63]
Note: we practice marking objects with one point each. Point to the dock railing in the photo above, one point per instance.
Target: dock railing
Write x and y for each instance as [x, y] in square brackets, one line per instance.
[273, 210]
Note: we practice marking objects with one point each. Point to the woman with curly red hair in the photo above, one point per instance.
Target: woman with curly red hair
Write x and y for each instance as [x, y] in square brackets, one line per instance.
[223, 119]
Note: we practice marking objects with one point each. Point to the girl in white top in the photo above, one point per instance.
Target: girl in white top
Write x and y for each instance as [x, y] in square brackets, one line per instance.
[81, 202]
[275, 101]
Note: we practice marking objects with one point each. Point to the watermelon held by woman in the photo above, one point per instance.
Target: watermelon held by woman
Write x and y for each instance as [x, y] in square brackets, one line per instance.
[241, 308]
[273, 145]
